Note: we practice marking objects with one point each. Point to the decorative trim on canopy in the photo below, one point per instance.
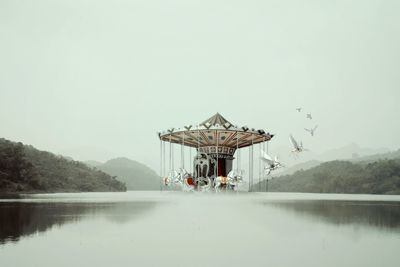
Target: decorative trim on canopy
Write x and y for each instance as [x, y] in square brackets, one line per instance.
[215, 131]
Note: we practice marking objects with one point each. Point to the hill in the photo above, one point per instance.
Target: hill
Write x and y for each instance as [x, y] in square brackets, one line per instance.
[372, 158]
[135, 175]
[301, 166]
[356, 159]
[347, 152]
[380, 177]
[26, 169]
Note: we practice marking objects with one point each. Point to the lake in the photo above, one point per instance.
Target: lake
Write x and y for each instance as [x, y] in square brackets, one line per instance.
[199, 229]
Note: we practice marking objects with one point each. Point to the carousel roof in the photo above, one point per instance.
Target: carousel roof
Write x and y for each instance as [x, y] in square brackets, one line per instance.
[217, 119]
[215, 131]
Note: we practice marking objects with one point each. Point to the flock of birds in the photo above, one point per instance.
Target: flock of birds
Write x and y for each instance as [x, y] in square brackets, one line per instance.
[272, 164]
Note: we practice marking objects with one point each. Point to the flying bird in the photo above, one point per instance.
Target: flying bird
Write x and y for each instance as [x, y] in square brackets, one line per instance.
[312, 130]
[272, 164]
[298, 109]
[309, 116]
[297, 148]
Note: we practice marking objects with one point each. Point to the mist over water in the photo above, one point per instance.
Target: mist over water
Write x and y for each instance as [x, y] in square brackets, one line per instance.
[181, 229]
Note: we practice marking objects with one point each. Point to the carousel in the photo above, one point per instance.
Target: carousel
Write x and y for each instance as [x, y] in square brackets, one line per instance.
[216, 161]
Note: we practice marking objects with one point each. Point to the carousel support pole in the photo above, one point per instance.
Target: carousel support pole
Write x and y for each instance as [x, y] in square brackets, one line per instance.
[237, 150]
[252, 161]
[183, 152]
[161, 163]
[170, 154]
[172, 157]
[251, 167]
[263, 166]
[266, 184]
[190, 160]
[198, 150]
[259, 168]
[239, 156]
[250, 174]
[163, 172]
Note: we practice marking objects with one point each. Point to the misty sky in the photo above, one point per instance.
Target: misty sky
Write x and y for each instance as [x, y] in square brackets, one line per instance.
[98, 79]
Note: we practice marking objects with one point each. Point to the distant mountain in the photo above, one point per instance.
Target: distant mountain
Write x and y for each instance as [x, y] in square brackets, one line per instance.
[355, 158]
[93, 163]
[25, 169]
[135, 175]
[65, 157]
[88, 152]
[372, 158]
[349, 152]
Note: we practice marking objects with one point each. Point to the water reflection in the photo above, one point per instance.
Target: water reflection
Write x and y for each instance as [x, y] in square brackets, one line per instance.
[379, 214]
[175, 229]
[18, 219]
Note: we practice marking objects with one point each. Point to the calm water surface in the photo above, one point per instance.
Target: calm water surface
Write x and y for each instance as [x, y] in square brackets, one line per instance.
[197, 229]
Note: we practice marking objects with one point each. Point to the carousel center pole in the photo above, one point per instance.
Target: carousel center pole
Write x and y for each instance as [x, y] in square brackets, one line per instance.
[198, 150]
[217, 155]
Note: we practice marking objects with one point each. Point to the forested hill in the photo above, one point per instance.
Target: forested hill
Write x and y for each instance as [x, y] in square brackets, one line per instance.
[379, 177]
[26, 169]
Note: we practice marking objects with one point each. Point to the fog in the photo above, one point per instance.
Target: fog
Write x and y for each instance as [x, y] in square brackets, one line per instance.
[98, 79]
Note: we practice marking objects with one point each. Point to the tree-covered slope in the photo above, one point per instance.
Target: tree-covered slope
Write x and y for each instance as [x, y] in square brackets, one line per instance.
[380, 177]
[26, 169]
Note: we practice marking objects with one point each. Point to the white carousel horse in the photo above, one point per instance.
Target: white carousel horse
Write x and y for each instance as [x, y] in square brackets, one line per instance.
[297, 148]
[232, 180]
[272, 164]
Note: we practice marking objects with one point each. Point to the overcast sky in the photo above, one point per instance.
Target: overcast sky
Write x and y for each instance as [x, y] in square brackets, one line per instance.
[98, 79]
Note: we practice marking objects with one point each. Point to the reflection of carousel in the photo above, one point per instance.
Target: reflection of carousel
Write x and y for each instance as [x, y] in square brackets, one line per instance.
[216, 140]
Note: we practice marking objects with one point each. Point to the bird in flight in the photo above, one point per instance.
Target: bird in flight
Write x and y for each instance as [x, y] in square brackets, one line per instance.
[298, 109]
[312, 130]
[309, 116]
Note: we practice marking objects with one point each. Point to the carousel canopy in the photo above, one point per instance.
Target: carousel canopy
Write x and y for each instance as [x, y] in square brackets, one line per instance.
[215, 132]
